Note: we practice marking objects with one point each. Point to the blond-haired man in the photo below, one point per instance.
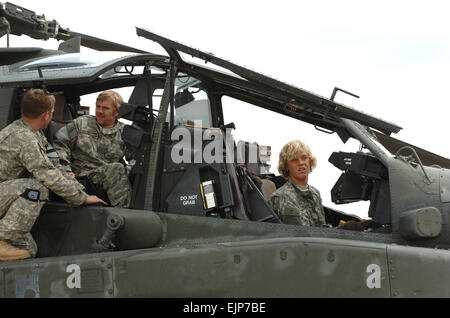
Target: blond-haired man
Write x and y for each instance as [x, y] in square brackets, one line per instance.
[297, 202]
[92, 146]
[26, 174]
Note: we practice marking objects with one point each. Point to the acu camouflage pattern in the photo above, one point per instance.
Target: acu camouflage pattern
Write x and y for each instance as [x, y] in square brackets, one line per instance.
[298, 206]
[24, 165]
[88, 149]
[51, 152]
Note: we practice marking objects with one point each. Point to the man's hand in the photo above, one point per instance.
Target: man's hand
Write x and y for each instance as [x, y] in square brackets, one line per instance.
[93, 199]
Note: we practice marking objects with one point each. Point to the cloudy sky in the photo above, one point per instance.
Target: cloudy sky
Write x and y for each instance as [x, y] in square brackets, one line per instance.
[394, 55]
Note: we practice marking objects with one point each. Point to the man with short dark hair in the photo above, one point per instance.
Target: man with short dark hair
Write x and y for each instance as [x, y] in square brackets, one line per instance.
[92, 147]
[26, 175]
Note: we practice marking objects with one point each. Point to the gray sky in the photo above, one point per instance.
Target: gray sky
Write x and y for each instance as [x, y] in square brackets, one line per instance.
[394, 55]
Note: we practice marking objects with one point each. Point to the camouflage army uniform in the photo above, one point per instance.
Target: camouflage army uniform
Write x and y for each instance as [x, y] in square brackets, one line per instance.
[90, 150]
[300, 205]
[52, 154]
[24, 165]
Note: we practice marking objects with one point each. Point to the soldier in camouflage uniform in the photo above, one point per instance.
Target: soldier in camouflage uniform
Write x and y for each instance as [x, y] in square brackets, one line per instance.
[26, 174]
[92, 146]
[297, 202]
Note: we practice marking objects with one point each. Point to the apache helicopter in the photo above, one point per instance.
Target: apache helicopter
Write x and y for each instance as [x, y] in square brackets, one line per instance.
[204, 229]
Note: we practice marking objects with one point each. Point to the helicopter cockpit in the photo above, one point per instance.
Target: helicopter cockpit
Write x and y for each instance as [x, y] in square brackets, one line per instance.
[208, 171]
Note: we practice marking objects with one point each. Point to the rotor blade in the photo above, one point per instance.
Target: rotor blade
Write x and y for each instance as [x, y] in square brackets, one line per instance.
[97, 43]
[427, 158]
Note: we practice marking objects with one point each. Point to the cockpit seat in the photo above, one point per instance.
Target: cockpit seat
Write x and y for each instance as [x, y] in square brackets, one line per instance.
[267, 188]
[57, 121]
[61, 117]
[53, 128]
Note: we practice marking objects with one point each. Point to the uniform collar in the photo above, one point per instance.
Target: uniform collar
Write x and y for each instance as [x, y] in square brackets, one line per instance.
[24, 123]
[298, 186]
[109, 130]
[38, 134]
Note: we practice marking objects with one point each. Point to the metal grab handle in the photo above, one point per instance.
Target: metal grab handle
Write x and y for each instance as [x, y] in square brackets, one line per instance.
[417, 157]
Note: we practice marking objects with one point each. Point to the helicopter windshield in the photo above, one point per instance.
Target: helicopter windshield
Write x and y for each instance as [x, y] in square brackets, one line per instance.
[93, 59]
